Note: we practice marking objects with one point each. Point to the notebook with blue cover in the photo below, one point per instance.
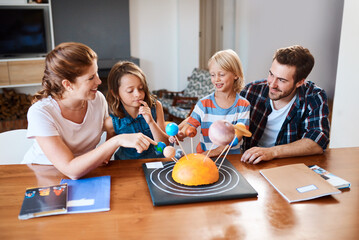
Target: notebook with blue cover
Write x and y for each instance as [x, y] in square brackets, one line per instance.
[88, 194]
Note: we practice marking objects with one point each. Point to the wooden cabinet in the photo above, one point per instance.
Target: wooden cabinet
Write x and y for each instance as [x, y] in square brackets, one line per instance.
[22, 72]
[26, 72]
[4, 74]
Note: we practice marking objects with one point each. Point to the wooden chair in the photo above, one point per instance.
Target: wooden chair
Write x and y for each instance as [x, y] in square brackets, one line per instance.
[179, 105]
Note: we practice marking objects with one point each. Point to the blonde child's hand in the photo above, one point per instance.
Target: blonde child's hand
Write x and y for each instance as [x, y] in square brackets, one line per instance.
[172, 139]
[146, 112]
[180, 136]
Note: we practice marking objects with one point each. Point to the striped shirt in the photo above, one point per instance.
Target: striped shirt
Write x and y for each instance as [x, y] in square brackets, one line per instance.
[307, 118]
[207, 111]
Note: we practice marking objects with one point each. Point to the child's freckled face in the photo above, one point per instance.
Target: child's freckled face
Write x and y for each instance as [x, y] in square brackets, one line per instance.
[131, 91]
[221, 79]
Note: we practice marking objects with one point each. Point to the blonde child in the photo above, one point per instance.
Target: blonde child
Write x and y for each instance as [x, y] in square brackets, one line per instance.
[225, 103]
[133, 110]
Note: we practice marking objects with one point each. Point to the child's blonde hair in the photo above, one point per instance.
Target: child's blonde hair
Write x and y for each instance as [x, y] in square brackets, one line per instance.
[229, 61]
[114, 82]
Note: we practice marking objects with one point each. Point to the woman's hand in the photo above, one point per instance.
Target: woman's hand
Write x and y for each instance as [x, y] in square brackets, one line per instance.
[138, 141]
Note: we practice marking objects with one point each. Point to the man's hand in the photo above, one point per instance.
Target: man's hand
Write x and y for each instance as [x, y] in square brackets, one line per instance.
[302, 147]
[256, 154]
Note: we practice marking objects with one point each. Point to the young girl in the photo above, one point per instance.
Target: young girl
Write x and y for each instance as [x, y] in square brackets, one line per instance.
[225, 103]
[133, 109]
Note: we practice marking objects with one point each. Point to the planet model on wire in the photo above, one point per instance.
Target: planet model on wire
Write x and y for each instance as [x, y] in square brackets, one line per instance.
[160, 147]
[221, 132]
[191, 132]
[169, 152]
[241, 130]
[172, 129]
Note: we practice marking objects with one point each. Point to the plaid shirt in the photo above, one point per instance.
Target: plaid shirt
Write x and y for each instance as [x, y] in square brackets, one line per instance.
[307, 118]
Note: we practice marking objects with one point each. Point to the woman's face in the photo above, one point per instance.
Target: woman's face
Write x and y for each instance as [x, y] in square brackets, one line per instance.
[86, 85]
[131, 91]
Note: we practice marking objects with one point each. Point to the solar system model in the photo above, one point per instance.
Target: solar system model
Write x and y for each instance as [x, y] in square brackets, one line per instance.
[196, 169]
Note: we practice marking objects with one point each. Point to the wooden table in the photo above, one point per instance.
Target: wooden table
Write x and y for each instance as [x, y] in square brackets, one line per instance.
[132, 215]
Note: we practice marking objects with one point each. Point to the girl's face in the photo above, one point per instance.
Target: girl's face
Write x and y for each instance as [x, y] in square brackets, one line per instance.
[222, 80]
[131, 91]
[86, 85]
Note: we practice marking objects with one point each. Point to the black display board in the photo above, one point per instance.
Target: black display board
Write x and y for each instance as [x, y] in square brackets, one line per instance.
[165, 191]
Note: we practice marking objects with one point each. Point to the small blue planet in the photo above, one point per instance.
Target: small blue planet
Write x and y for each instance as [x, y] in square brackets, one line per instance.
[172, 129]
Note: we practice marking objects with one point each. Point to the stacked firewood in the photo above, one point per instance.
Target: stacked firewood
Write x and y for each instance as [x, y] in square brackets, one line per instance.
[14, 105]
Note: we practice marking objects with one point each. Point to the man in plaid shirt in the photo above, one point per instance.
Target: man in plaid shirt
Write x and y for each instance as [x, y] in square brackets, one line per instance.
[289, 115]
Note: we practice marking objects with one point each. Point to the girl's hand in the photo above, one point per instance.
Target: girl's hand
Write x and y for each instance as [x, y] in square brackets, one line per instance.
[146, 112]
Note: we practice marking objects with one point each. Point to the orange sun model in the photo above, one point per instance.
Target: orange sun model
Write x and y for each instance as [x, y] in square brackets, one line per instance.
[195, 169]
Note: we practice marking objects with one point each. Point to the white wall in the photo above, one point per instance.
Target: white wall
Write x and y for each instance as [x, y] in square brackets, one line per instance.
[345, 127]
[229, 24]
[164, 36]
[188, 39]
[264, 26]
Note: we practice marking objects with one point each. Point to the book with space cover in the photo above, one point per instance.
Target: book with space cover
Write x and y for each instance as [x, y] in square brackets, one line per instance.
[44, 201]
[297, 182]
[330, 177]
[88, 194]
